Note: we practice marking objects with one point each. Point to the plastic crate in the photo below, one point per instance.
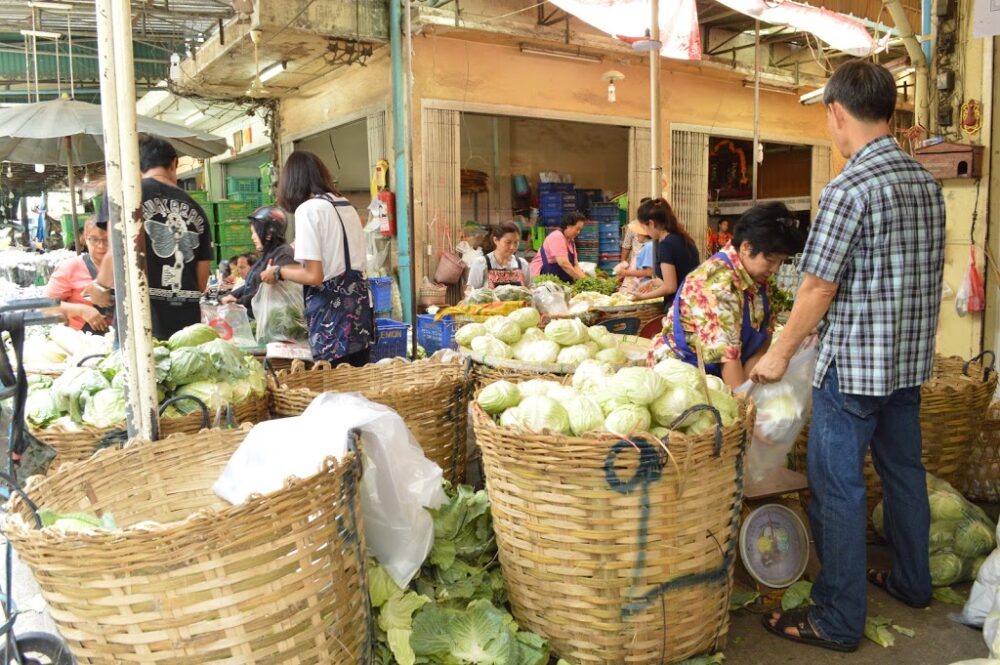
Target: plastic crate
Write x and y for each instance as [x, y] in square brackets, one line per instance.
[225, 252]
[609, 227]
[390, 339]
[604, 210]
[435, 335]
[242, 185]
[547, 187]
[235, 211]
[233, 233]
[587, 197]
[254, 198]
[381, 294]
[199, 196]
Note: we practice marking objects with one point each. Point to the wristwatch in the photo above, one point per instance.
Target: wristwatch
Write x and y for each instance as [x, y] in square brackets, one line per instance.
[277, 273]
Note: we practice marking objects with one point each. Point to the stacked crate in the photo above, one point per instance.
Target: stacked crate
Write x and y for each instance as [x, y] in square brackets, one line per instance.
[244, 190]
[555, 201]
[267, 181]
[231, 230]
[609, 233]
[588, 243]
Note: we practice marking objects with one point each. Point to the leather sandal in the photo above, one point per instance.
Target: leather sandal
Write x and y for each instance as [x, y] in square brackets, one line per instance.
[799, 619]
[880, 578]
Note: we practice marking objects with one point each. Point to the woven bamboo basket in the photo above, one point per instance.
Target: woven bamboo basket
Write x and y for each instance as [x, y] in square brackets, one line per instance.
[953, 404]
[432, 397]
[188, 578]
[76, 446]
[618, 552]
[980, 478]
[644, 311]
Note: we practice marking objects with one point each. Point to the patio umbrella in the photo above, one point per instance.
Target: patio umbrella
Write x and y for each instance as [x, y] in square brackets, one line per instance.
[71, 133]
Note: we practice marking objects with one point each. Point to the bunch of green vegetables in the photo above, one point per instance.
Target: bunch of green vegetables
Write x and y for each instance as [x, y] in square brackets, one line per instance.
[961, 534]
[453, 612]
[596, 284]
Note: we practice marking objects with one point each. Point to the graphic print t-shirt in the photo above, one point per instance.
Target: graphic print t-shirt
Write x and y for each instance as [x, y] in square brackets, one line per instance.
[177, 238]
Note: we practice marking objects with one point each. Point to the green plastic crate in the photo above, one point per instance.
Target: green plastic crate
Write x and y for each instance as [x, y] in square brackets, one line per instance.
[254, 198]
[243, 185]
[199, 196]
[226, 250]
[233, 211]
[233, 233]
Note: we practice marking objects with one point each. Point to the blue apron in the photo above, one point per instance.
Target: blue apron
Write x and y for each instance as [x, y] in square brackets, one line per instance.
[751, 339]
[553, 268]
[338, 312]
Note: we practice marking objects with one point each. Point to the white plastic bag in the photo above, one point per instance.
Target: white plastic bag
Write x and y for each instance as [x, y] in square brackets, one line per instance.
[468, 253]
[984, 591]
[398, 483]
[280, 312]
[782, 409]
[550, 299]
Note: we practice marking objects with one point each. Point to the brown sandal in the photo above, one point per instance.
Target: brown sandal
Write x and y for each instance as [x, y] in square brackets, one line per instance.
[799, 619]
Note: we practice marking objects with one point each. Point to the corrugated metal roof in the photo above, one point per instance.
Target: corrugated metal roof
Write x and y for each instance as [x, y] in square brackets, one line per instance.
[151, 64]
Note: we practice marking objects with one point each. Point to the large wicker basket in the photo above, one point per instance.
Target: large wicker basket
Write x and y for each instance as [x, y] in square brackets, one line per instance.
[432, 397]
[617, 552]
[78, 445]
[189, 578]
[980, 477]
[953, 404]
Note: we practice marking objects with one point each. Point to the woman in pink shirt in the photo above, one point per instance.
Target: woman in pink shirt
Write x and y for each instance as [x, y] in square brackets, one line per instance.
[558, 253]
[70, 279]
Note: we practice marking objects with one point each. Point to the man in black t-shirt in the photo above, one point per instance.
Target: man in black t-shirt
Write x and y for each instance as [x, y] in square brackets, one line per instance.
[177, 243]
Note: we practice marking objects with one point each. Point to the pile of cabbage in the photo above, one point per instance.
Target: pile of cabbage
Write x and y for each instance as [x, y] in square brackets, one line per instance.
[625, 402]
[56, 347]
[517, 336]
[194, 361]
[961, 534]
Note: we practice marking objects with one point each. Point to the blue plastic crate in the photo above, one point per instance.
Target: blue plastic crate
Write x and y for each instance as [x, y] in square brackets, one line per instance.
[390, 339]
[608, 227]
[587, 197]
[435, 335]
[609, 209]
[547, 187]
[381, 294]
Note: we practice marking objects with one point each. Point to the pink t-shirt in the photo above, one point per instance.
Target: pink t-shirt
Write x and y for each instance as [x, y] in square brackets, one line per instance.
[555, 245]
[67, 284]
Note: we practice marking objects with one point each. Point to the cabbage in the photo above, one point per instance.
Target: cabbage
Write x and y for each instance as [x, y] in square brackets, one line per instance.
[613, 356]
[609, 402]
[660, 432]
[161, 358]
[189, 364]
[467, 333]
[609, 341]
[503, 329]
[973, 538]
[974, 567]
[543, 413]
[596, 333]
[498, 397]
[543, 352]
[677, 399]
[509, 418]
[638, 385]
[213, 394]
[526, 317]
[41, 408]
[589, 375]
[105, 408]
[532, 335]
[677, 371]
[567, 332]
[563, 394]
[490, 347]
[593, 347]
[194, 335]
[704, 421]
[574, 355]
[228, 360]
[946, 568]
[584, 414]
[537, 387]
[110, 365]
[256, 376]
[946, 506]
[39, 381]
[627, 420]
[715, 383]
[71, 389]
[942, 534]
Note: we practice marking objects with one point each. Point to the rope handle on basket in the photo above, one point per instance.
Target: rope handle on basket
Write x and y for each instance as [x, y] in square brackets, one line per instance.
[718, 423]
[12, 484]
[180, 398]
[269, 368]
[987, 368]
[90, 357]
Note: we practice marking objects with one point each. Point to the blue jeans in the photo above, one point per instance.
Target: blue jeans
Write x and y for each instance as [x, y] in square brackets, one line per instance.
[843, 427]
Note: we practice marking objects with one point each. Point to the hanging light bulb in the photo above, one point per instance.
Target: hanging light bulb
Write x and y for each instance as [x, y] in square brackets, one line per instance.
[10, 172]
[39, 168]
[86, 175]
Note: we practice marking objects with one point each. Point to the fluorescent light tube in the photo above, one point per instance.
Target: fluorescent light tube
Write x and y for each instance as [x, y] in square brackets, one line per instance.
[54, 6]
[272, 71]
[580, 57]
[194, 117]
[42, 34]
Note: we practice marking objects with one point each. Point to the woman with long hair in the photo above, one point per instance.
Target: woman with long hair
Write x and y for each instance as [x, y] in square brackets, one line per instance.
[330, 256]
[675, 254]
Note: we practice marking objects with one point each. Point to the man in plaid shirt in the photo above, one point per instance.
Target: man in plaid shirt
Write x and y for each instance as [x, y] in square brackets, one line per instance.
[873, 265]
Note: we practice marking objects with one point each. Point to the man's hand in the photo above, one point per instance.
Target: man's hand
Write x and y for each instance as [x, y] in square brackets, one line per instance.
[267, 276]
[228, 300]
[93, 318]
[99, 297]
[769, 369]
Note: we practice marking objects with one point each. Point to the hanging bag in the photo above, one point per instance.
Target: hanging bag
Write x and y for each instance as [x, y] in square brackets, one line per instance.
[971, 296]
[450, 267]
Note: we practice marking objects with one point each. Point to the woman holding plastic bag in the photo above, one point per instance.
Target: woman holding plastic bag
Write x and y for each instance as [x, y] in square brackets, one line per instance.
[268, 227]
[330, 252]
[725, 304]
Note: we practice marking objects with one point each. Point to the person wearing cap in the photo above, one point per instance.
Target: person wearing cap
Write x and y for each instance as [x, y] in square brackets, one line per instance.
[177, 243]
[268, 226]
[70, 280]
[639, 269]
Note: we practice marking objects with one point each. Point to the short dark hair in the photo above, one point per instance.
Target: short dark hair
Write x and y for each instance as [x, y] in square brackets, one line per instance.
[770, 228]
[866, 89]
[503, 228]
[251, 258]
[234, 258]
[155, 152]
[571, 219]
[303, 176]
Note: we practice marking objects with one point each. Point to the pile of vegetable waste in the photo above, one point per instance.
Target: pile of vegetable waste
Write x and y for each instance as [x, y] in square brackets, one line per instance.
[453, 612]
[961, 534]
[629, 401]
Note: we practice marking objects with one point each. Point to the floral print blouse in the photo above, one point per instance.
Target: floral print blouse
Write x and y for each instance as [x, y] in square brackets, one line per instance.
[711, 305]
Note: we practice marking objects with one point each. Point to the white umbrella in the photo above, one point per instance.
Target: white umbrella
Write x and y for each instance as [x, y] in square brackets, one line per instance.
[71, 133]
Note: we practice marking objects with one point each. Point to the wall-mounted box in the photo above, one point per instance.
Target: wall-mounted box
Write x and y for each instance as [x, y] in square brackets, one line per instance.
[952, 160]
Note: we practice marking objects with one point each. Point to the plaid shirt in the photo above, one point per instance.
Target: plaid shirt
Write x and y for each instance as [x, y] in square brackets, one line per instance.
[879, 234]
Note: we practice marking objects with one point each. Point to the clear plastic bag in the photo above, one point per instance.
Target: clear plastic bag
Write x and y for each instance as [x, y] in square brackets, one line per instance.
[550, 299]
[233, 324]
[280, 312]
[782, 409]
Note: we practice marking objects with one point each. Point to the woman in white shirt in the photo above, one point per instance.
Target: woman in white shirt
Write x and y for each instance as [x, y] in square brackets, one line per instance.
[330, 252]
[502, 266]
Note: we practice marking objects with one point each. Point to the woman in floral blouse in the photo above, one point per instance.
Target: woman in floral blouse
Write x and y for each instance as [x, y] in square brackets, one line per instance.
[724, 305]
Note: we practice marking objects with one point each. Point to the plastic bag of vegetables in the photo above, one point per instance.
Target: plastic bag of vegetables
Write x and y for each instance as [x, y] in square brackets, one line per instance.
[280, 312]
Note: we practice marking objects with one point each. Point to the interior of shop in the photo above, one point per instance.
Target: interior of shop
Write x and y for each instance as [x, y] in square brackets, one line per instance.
[344, 150]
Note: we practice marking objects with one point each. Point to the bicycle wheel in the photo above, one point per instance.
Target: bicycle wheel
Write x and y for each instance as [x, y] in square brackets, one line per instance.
[38, 649]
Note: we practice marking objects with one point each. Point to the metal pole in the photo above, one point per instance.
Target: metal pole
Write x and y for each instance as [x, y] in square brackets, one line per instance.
[71, 181]
[69, 37]
[403, 230]
[121, 154]
[408, 128]
[655, 165]
[756, 106]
